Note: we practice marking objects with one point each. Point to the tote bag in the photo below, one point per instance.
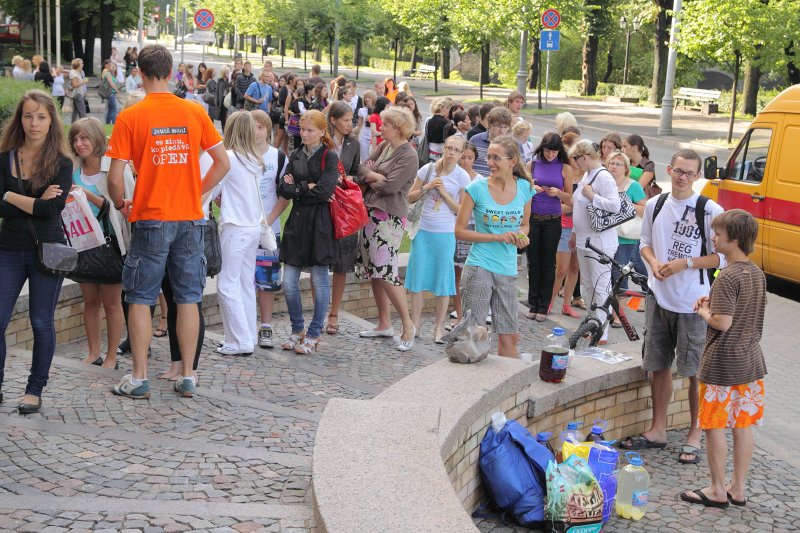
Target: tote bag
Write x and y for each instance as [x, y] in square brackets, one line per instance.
[82, 226]
[347, 208]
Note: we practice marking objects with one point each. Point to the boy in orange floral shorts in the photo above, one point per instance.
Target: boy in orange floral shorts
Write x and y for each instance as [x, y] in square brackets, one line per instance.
[732, 367]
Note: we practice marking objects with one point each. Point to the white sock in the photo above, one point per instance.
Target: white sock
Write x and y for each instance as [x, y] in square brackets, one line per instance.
[266, 325]
[136, 381]
[190, 378]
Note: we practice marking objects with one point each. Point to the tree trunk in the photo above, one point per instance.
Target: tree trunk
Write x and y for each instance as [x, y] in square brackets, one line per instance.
[106, 29]
[792, 69]
[297, 49]
[752, 77]
[485, 58]
[394, 64]
[535, 69]
[88, 52]
[414, 58]
[232, 40]
[436, 74]
[660, 51]
[609, 65]
[241, 42]
[589, 76]
[330, 54]
[736, 63]
[253, 44]
[357, 54]
[77, 34]
[446, 63]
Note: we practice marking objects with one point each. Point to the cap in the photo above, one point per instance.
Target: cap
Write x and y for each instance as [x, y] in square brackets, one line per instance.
[558, 331]
[543, 436]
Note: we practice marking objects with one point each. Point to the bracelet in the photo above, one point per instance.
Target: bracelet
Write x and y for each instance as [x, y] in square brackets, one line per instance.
[5, 196]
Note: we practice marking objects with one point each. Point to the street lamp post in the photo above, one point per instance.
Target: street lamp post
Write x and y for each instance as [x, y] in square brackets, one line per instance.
[665, 124]
[623, 23]
[141, 23]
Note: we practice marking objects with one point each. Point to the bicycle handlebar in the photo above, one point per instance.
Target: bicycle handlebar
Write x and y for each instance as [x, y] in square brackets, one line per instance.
[635, 276]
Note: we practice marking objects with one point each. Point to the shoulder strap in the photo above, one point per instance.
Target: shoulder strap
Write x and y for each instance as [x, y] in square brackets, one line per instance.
[428, 174]
[662, 198]
[281, 162]
[700, 215]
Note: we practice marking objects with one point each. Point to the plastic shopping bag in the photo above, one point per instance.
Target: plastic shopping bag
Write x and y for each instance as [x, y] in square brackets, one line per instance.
[581, 449]
[468, 342]
[603, 462]
[574, 498]
[80, 224]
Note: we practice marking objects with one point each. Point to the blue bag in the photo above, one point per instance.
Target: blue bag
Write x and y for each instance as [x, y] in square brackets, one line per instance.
[513, 469]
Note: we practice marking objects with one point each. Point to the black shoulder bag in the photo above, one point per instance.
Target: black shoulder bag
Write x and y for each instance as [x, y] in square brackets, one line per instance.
[101, 264]
[53, 258]
[211, 244]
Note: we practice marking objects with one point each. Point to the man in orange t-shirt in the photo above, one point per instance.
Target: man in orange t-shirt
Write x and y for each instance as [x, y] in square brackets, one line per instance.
[163, 136]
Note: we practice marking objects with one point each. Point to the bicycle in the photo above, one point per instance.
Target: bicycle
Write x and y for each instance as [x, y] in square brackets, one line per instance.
[590, 331]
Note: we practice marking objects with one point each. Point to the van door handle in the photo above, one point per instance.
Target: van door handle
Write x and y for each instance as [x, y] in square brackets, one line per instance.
[756, 197]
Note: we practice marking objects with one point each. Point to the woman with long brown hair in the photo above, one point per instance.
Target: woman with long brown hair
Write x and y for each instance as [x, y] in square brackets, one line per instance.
[35, 178]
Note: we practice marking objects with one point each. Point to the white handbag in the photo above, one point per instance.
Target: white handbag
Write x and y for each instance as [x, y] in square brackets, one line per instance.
[267, 241]
[631, 229]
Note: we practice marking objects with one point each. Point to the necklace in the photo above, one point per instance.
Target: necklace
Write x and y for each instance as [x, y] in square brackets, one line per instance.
[21, 163]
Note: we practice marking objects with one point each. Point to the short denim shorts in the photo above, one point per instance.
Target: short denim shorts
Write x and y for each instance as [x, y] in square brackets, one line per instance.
[563, 242]
[174, 247]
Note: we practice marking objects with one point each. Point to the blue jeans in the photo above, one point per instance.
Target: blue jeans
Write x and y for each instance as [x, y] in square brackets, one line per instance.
[158, 246]
[627, 253]
[43, 289]
[111, 109]
[322, 292]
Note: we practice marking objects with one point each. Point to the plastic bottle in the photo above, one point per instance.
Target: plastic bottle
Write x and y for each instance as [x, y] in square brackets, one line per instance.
[498, 421]
[555, 357]
[596, 435]
[633, 485]
[543, 438]
[568, 435]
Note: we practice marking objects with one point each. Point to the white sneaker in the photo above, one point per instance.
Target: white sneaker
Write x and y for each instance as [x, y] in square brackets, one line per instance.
[453, 314]
[374, 333]
[227, 349]
[265, 337]
[405, 346]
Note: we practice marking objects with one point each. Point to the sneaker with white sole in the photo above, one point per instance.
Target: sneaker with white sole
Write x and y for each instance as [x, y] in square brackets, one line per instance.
[227, 349]
[374, 333]
[184, 388]
[265, 337]
[129, 390]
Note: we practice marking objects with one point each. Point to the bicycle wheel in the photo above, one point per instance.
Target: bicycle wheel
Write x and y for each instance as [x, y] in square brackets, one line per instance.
[584, 335]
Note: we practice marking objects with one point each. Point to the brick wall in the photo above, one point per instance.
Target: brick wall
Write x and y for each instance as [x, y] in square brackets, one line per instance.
[357, 300]
[626, 408]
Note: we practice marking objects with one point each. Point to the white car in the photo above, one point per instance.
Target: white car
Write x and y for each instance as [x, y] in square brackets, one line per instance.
[188, 38]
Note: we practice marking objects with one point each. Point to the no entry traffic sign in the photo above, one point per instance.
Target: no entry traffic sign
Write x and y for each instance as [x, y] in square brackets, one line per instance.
[551, 19]
[204, 19]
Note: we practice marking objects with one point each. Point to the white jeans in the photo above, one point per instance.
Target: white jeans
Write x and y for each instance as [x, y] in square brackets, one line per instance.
[595, 281]
[237, 297]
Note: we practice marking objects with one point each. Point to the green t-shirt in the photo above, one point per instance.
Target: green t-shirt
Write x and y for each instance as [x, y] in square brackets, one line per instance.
[636, 173]
[636, 194]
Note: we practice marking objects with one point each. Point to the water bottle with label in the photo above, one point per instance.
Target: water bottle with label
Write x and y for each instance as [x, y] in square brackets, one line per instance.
[596, 435]
[555, 357]
[633, 485]
[543, 438]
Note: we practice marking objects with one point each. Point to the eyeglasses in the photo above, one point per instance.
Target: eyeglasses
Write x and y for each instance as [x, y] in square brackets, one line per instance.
[453, 149]
[615, 164]
[497, 157]
[499, 127]
[576, 157]
[679, 172]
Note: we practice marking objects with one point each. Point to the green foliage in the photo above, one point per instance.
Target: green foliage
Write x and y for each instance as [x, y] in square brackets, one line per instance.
[764, 97]
[571, 87]
[11, 90]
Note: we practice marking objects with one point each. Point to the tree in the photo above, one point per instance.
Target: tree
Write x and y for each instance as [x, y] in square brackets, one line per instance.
[597, 21]
[663, 21]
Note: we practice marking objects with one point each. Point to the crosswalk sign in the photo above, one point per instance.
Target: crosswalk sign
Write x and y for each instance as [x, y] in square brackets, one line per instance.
[550, 40]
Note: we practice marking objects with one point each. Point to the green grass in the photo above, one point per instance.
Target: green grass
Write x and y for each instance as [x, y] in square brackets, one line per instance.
[719, 142]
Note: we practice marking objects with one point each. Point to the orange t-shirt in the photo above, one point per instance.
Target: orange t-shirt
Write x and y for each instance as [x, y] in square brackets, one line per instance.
[163, 136]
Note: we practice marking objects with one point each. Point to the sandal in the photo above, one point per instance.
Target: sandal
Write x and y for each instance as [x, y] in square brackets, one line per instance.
[688, 449]
[293, 342]
[703, 499]
[307, 346]
[734, 501]
[158, 333]
[640, 442]
[569, 311]
[579, 303]
[332, 329]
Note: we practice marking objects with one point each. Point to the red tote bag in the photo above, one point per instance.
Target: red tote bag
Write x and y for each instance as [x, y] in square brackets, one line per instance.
[348, 212]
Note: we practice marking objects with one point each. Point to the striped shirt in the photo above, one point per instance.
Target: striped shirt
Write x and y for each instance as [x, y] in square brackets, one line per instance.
[734, 357]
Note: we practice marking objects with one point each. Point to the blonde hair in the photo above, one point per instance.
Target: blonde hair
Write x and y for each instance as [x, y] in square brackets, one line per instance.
[76, 63]
[370, 94]
[520, 127]
[224, 72]
[441, 103]
[585, 147]
[92, 128]
[16, 60]
[261, 117]
[404, 88]
[240, 137]
[511, 147]
[26, 65]
[616, 154]
[133, 98]
[565, 119]
[318, 120]
[400, 118]
[35, 60]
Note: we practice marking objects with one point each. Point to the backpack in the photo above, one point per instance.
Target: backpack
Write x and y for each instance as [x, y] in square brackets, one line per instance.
[513, 467]
[700, 217]
[104, 90]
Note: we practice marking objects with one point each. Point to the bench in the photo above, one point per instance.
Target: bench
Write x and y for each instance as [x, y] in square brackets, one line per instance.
[707, 98]
[423, 71]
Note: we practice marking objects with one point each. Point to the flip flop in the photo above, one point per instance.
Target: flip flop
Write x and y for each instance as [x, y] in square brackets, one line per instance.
[158, 333]
[688, 449]
[738, 503]
[640, 442]
[703, 499]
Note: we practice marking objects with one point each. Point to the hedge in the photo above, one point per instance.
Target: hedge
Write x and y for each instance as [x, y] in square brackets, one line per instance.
[573, 87]
[11, 90]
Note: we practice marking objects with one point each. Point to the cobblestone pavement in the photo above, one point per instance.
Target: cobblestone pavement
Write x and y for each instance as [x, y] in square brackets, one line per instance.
[237, 456]
[773, 498]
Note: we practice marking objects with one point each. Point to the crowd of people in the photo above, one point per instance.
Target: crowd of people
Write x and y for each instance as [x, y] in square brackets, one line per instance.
[467, 185]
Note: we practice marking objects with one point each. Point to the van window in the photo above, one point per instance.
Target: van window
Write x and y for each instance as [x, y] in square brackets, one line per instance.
[750, 160]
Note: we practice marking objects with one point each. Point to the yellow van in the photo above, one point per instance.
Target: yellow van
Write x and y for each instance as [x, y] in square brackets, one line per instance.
[762, 176]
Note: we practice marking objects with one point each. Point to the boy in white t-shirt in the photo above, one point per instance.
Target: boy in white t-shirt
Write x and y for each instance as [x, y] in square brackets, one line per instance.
[677, 248]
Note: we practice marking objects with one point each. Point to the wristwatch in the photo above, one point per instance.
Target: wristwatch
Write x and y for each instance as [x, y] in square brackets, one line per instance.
[689, 262]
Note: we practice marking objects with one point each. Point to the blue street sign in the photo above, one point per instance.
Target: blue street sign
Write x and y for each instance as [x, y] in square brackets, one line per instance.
[550, 40]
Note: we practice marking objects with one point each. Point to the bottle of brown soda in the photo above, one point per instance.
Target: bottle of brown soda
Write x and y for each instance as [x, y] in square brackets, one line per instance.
[555, 357]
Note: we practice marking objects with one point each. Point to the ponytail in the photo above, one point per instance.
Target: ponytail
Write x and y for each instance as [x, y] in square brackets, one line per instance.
[327, 140]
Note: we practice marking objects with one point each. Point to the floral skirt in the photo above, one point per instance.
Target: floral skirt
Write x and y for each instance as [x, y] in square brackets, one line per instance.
[379, 247]
[736, 406]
